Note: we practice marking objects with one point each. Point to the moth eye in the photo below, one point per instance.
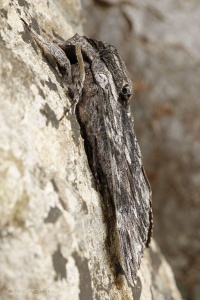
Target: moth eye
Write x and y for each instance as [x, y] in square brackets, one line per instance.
[125, 92]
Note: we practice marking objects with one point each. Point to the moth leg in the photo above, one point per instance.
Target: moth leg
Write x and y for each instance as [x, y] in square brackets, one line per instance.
[56, 51]
[86, 49]
[53, 50]
[56, 40]
[78, 84]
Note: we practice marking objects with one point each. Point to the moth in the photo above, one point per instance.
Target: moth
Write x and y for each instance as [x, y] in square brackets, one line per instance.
[101, 91]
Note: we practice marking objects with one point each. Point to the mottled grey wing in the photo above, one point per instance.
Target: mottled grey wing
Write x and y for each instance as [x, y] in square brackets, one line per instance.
[132, 192]
[128, 186]
[114, 154]
[132, 201]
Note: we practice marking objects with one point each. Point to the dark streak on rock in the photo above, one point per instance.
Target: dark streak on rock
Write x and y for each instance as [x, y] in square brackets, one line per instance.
[56, 189]
[59, 263]
[42, 82]
[85, 278]
[53, 215]
[19, 11]
[84, 207]
[50, 115]
[41, 92]
[34, 25]
[26, 37]
[4, 13]
[51, 85]
[9, 27]
[54, 185]
[23, 3]
[64, 206]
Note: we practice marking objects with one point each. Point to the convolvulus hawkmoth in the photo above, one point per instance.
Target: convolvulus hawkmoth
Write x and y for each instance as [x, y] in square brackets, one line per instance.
[101, 90]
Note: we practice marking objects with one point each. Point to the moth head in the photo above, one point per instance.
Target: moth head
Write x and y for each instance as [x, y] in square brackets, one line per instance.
[126, 92]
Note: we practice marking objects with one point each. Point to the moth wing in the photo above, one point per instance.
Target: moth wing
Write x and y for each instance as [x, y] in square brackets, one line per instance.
[132, 199]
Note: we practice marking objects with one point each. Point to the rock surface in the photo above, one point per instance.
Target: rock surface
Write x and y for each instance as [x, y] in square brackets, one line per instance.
[52, 229]
[159, 41]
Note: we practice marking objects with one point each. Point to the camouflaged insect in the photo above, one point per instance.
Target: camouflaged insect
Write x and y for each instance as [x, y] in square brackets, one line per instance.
[101, 90]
